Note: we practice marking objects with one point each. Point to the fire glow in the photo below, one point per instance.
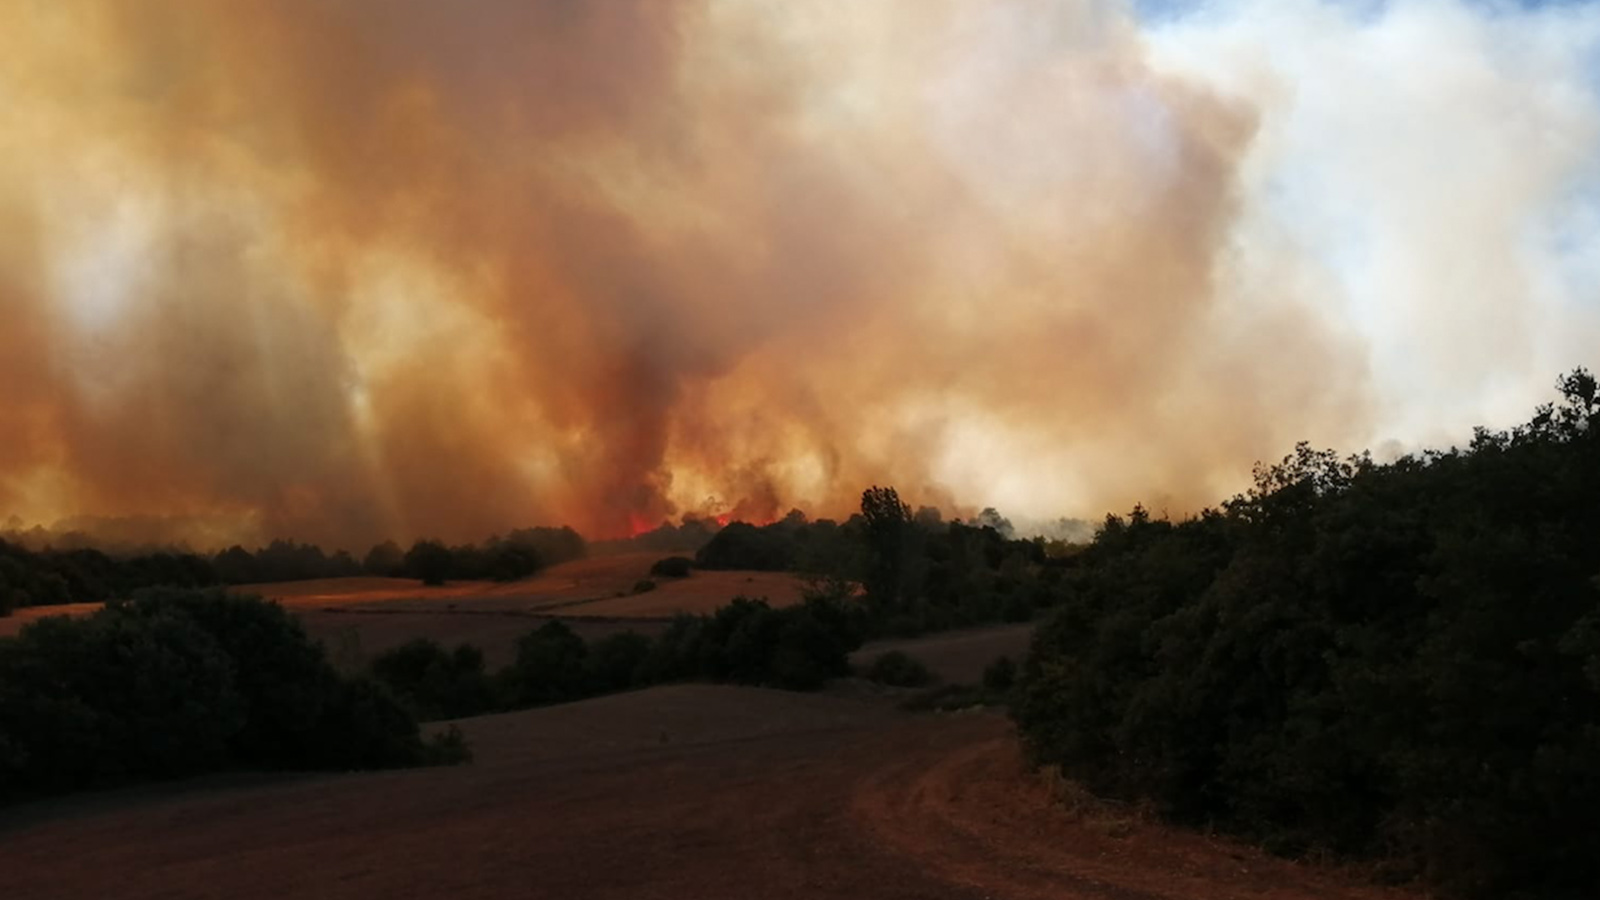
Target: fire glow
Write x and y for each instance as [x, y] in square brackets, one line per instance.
[350, 271]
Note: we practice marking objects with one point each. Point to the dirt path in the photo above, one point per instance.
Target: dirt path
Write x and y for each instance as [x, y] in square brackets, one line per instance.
[687, 791]
[977, 818]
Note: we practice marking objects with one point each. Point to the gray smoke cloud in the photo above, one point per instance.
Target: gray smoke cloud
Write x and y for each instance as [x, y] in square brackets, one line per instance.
[349, 270]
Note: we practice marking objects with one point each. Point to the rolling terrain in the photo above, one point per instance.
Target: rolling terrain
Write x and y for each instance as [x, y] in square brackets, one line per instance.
[360, 617]
[679, 791]
[688, 790]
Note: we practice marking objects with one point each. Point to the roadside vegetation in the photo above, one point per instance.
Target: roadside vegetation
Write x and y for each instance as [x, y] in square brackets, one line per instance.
[1390, 661]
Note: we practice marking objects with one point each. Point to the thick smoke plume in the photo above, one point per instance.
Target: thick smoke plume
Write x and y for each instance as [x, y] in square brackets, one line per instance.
[347, 270]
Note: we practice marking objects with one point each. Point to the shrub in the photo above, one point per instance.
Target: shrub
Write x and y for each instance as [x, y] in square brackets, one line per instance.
[180, 682]
[114, 698]
[897, 669]
[617, 662]
[434, 683]
[362, 726]
[677, 653]
[643, 586]
[672, 567]
[549, 668]
[284, 679]
[808, 653]
[744, 640]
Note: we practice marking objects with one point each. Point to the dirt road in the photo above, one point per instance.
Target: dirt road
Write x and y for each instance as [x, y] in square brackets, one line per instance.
[685, 791]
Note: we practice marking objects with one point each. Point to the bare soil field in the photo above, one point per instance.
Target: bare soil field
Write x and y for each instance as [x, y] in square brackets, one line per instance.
[360, 617]
[598, 587]
[686, 791]
[353, 637]
[956, 657]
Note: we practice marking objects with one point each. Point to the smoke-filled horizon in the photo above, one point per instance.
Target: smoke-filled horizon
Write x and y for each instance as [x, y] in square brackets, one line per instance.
[390, 268]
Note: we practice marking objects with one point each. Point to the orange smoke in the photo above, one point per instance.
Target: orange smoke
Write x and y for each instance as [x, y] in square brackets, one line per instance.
[343, 271]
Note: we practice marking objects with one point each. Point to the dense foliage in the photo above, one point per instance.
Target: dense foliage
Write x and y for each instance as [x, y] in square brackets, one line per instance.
[1398, 660]
[179, 682]
[46, 577]
[29, 578]
[434, 683]
[745, 642]
[917, 572]
[672, 567]
[517, 555]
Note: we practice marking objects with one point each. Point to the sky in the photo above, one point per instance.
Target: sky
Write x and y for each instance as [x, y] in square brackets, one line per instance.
[391, 268]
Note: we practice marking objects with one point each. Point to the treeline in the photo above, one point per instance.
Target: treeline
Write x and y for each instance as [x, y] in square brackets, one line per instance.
[687, 536]
[744, 642]
[82, 575]
[175, 683]
[29, 578]
[1399, 662]
[519, 554]
[886, 571]
[918, 572]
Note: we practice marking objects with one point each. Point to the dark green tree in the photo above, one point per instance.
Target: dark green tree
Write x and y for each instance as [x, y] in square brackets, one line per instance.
[887, 529]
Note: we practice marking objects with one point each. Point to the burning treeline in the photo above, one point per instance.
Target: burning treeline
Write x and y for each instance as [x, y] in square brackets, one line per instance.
[351, 270]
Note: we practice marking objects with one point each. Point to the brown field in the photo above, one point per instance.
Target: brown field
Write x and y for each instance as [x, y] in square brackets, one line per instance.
[689, 791]
[685, 791]
[598, 587]
[956, 657]
[358, 618]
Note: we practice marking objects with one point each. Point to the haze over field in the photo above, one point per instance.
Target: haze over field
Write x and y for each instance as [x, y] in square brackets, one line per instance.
[377, 268]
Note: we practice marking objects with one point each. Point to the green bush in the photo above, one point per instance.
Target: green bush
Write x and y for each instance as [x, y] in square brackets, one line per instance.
[617, 662]
[676, 654]
[114, 698]
[808, 652]
[550, 667]
[643, 586]
[181, 682]
[897, 669]
[285, 680]
[434, 683]
[672, 567]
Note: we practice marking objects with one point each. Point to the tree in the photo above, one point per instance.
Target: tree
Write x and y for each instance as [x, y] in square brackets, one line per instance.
[435, 683]
[1367, 659]
[550, 667]
[887, 522]
[429, 560]
[385, 559]
[177, 682]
